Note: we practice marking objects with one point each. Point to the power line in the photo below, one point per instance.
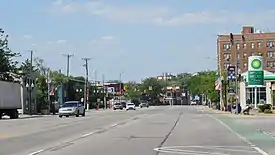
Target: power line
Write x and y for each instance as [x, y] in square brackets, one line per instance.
[68, 56]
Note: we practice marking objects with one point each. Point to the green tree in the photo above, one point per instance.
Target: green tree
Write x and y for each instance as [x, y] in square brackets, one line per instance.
[203, 83]
[153, 88]
[7, 64]
[25, 68]
[132, 91]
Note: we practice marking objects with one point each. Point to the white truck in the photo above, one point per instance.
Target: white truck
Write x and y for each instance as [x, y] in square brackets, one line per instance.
[10, 99]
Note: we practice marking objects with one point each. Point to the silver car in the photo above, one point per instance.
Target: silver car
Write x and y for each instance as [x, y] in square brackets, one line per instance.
[72, 108]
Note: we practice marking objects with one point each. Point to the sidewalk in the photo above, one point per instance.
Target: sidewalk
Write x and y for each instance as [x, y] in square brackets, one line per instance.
[253, 113]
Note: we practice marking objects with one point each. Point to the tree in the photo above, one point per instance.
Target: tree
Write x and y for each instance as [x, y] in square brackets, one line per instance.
[25, 68]
[152, 88]
[132, 91]
[7, 64]
[203, 83]
[40, 65]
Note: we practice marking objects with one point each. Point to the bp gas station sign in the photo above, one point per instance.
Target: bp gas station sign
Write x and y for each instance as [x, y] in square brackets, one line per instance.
[255, 71]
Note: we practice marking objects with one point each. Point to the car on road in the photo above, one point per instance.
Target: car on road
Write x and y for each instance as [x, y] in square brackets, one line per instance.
[123, 104]
[118, 106]
[72, 108]
[144, 104]
[130, 106]
[193, 103]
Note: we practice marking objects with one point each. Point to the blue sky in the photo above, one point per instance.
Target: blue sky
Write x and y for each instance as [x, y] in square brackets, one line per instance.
[140, 38]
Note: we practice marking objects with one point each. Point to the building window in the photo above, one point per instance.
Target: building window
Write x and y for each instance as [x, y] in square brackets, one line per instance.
[252, 46]
[226, 65]
[270, 44]
[270, 54]
[238, 46]
[226, 46]
[259, 44]
[244, 45]
[270, 64]
[252, 53]
[244, 55]
[226, 56]
[245, 65]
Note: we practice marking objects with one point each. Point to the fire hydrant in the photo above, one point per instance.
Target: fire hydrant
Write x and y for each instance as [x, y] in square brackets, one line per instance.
[97, 107]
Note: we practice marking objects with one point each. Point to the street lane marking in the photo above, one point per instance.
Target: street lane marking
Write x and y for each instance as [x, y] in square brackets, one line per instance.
[89, 134]
[114, 125]
[209, 150]
[262, 152]
[266, 133]
[36, 152]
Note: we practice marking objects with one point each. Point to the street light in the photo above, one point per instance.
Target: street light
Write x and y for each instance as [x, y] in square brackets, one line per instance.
[79, 91]
[30, 87]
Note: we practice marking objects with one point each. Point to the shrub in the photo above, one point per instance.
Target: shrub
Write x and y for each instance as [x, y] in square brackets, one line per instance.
[263, 107]
[268, 111]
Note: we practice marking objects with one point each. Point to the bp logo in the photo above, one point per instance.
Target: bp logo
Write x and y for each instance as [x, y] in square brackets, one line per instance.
[256, 64]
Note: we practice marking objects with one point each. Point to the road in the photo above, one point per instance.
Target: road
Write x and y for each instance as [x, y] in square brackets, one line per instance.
[188, 130]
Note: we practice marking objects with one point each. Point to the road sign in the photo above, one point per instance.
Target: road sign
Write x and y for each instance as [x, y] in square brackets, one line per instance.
[255, 71]
[231, 73]
[111, 89]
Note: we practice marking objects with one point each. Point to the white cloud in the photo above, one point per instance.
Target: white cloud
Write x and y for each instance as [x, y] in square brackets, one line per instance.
[61, 41]
[159, 15]
[107, 38]
[27, 36]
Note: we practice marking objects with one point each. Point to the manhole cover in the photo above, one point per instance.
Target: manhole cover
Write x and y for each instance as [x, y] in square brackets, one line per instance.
[208, 150]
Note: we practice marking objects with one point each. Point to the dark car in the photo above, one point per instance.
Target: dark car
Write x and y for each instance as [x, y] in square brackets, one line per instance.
[123, 104]
[118, 106]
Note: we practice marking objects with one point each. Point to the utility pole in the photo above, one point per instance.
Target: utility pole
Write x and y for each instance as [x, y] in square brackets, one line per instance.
[120, 87]
[104, 92]
[86, 65]
[30, 82]
[68, 56]
[49, 88]
[95, 90]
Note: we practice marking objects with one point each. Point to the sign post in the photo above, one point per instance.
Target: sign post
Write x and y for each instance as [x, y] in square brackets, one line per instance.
[255, 74]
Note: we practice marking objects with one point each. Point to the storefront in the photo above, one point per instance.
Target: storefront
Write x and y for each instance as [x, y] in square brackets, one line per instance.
[259, 94]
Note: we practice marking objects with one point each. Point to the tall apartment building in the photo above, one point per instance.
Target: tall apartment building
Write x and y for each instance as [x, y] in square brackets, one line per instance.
[246, 43]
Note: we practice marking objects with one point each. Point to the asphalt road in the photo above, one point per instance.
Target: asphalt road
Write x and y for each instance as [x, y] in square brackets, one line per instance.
[188, 130]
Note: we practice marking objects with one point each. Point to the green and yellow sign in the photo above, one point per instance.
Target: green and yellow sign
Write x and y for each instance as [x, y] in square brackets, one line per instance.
[255, 71]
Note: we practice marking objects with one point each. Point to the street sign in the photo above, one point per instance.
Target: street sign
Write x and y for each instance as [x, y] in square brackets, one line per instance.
[231, 73]
[111, 89]
[255, 71]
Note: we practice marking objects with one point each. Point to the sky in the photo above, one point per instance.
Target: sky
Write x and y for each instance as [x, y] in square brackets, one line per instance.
[138, 38]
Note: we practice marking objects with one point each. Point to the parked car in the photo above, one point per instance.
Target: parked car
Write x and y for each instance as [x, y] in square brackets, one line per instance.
[130, 106]
[118, 106]
[72, 108]
[123, 104]
[144, 104]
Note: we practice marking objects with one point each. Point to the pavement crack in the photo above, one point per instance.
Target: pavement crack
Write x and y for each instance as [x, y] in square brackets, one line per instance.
[170, 132]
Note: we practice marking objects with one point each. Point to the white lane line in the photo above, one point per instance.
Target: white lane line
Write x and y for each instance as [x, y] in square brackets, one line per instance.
[114, 125]
[262, 152]
[36, 152]
[88, 134]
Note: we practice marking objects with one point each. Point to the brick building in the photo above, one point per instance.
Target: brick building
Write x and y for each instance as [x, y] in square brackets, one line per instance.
[247, 43]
